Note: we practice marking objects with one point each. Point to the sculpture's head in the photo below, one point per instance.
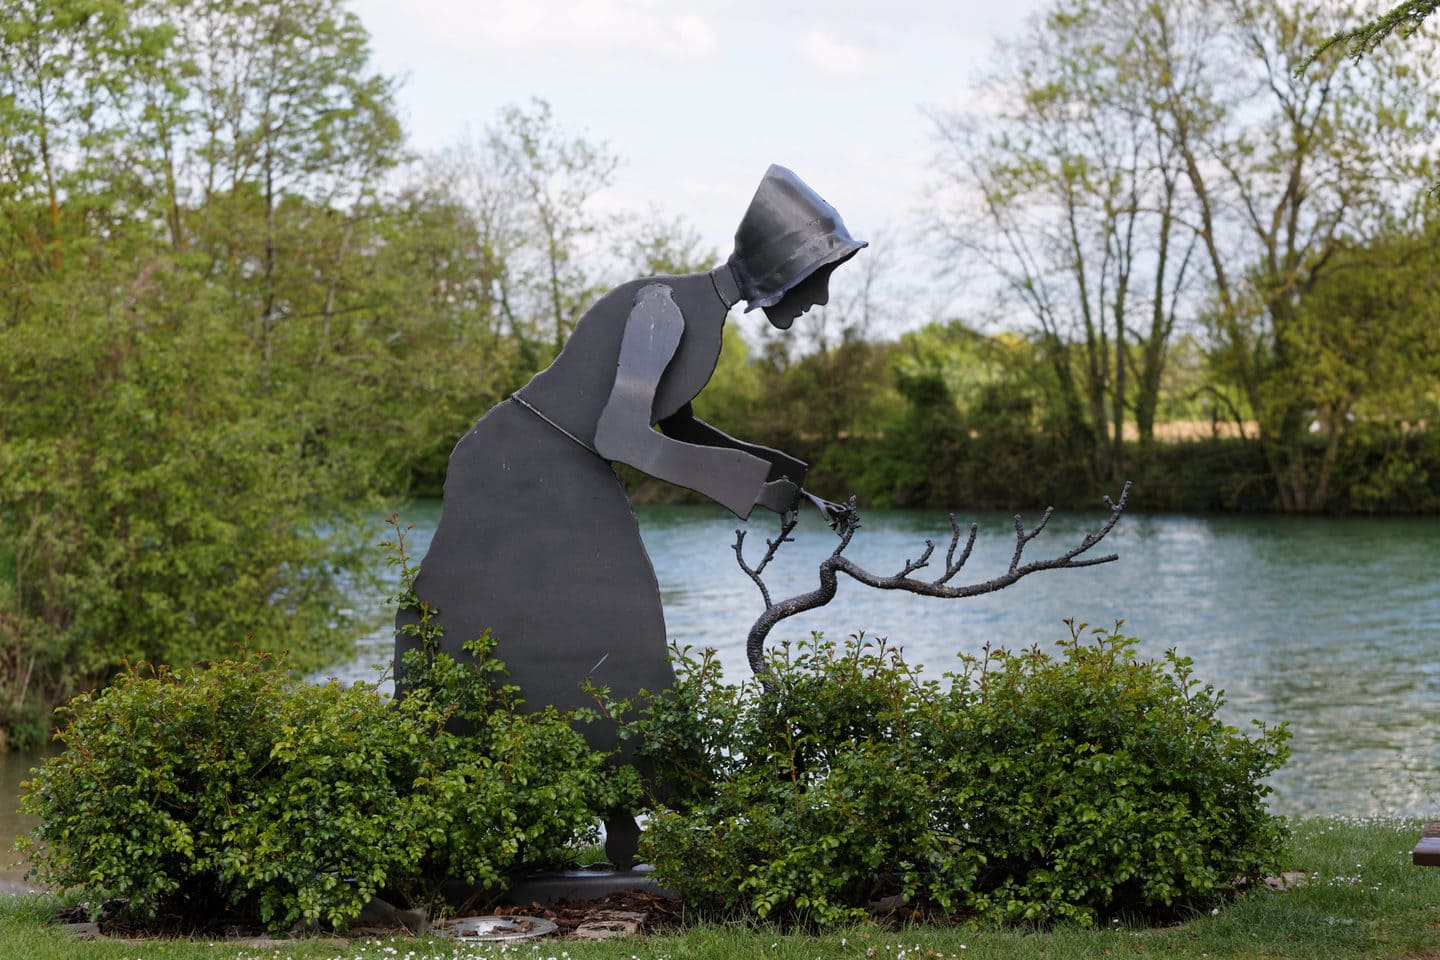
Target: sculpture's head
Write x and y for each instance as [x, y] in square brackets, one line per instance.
[787, 243]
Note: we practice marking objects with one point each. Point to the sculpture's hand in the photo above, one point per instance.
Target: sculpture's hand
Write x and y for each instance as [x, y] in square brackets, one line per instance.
[779, 495]
[838, 515]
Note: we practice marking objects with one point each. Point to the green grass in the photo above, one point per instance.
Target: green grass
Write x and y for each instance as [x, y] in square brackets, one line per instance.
[1362, 899]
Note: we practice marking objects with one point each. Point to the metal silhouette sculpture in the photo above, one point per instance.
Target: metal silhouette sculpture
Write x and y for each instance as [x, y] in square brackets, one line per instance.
[537, 540]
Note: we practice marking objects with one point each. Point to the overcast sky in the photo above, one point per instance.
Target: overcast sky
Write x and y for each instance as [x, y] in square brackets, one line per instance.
[698, 97]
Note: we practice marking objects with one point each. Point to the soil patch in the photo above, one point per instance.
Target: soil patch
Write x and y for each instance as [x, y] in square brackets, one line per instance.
[648, 912]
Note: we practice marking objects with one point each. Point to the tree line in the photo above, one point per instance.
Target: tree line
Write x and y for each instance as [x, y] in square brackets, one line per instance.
[234, 304]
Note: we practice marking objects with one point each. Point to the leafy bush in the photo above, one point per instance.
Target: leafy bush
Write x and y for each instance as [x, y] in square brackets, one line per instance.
[1098, 783]
[1025, 787]
[153, 505]
[237, 792]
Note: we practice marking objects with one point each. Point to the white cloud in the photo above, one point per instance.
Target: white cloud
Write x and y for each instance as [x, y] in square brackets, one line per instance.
[825, 53]
[555, 30]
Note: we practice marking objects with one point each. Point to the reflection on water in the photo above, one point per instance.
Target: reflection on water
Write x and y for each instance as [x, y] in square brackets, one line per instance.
[14, 769]
[1330, 624]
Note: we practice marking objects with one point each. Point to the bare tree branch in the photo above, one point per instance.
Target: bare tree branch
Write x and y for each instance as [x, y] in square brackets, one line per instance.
[787, 524]
[837, 563]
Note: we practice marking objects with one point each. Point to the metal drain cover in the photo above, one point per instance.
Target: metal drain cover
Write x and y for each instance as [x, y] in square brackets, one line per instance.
[477, 929]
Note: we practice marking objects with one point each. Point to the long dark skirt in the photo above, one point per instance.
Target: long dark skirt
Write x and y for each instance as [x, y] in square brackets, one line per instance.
[538, 543]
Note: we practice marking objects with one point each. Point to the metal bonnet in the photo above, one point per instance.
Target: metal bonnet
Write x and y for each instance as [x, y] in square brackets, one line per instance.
[788, 232]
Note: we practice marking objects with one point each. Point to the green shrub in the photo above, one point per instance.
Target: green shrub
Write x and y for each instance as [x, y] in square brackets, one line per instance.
[237, 792]
[1098, 783]
[797, 806]
[1025, 787]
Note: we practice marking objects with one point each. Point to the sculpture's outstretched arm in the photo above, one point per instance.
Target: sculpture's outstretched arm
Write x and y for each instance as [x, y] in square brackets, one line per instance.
[688, 428]
[784, 469]
[731, 477]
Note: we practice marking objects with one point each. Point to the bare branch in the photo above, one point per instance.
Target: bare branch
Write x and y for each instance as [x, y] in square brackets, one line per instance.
[912, 565]
[1022, 538]
[787, 525]
[837, 563]
[952, 566]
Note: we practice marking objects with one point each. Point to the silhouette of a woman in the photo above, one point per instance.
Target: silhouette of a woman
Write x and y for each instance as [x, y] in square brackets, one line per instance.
[537, 540]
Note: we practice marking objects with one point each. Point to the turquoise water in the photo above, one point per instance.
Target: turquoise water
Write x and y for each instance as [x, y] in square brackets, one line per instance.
[1330, 624]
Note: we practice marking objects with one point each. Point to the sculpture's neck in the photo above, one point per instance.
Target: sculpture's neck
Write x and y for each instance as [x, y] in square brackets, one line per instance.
[725, 284]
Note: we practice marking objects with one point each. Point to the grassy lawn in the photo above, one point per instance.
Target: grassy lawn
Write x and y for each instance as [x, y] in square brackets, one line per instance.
[1362, 899]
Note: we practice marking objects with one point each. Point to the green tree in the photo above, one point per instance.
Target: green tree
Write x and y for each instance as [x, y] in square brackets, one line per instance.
[187, 191]
[64, 65]
[530, 184]
[1364, 345]
[1165, 159]
[1070, 194]
[434, 354]
[1405, 18]
[1285, 169]
[282, 136]
[149, 508]
[656, 245]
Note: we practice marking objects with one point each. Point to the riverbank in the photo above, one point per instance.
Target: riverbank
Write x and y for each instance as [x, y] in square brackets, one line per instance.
[1354, 895]
[1186, 470]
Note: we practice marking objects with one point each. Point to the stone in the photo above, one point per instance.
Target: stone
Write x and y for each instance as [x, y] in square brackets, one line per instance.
[609, 925]
[378, 913]
[83, 931]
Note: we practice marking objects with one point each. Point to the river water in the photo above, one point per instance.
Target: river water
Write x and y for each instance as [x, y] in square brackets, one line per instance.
[1331, 624]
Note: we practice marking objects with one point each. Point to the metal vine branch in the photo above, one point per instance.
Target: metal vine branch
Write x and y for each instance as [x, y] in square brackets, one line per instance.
[837, 563]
